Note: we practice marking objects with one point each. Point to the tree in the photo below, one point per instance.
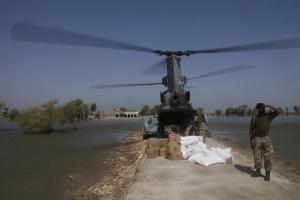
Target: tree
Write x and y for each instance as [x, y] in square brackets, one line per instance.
[2, 104]
[146, 110]
[85, 111]
[286, 110]
[42, 119]
[200, 110]
[38, 119]
[254, 111]
[241, 110]
[5, 112]
[13, 113]
[78, 103]
[51, 108]
[230, 111]
[93, 107]
[218, 112]
[154, 110]
[249, 112]
[71, 112]
[297, 109]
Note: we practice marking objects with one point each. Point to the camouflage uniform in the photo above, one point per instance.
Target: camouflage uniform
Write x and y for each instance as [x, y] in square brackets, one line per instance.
[260, 140]
[263, 147]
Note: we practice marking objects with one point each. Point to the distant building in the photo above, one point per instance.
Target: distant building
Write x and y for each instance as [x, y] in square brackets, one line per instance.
[125, 114]
[94, 115]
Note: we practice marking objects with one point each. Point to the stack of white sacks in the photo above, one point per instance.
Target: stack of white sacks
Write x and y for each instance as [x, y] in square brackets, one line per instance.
[193, 149]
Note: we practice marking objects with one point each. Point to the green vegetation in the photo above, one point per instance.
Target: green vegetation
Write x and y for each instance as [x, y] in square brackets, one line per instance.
[200, 110]
[242, 110]
[297, 109]
[12, 114]
[147, 110]
[42, 119]
[93, 107]
[73, 111]
[2, 104]
[218, 112]
[38, 119]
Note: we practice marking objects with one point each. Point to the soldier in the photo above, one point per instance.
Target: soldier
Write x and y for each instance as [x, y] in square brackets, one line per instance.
[260, 141]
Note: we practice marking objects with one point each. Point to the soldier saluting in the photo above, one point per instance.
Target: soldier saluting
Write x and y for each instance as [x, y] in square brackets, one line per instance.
[260, 141]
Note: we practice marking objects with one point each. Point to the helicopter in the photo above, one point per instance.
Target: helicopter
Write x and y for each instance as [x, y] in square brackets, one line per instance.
[175, 108]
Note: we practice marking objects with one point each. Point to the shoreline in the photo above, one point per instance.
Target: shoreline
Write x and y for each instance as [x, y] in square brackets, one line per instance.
[125, 163]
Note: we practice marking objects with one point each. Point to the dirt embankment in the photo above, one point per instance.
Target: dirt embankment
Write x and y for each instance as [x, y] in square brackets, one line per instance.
[121, 173]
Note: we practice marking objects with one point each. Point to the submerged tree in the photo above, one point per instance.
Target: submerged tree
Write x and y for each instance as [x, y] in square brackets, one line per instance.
[42, 119]
[297, 109]
[93, 107]
[73, 111]
[70, 112]
[2, 104]
[230, 111]
[38, 119]
[249, 111]
[218, 112]
[241, 110]
[13, 113]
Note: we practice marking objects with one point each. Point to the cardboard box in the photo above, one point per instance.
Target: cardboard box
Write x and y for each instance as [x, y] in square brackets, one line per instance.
[152, 153]
[153, 143]
[163, 142]
[163, 152]
[157, 143]
[173, 147]
[174, 138]
[175, 156]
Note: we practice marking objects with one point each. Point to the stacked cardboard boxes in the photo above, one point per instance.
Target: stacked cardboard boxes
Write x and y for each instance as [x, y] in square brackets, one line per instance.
[165, 147]
[155, 147]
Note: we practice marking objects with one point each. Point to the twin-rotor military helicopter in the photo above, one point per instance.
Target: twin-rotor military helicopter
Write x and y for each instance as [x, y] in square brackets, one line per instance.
[175, 108]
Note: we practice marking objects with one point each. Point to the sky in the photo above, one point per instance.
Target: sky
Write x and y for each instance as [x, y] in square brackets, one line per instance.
[33, 73]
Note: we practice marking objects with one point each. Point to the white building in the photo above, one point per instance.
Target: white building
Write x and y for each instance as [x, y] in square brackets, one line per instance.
[127, 114]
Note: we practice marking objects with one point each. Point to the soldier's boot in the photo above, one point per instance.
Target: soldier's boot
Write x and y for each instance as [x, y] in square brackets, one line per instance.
[257, 173]
[267, 177]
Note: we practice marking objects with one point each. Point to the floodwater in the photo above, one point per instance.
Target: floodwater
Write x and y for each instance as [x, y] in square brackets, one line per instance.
[285, 133]
[37, 166]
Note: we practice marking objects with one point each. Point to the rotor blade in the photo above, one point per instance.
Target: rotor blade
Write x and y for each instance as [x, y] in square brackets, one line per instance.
[157, 68]
[24, 31]
[223, 71]
[122, 85]
[190, 87]
[269, 45]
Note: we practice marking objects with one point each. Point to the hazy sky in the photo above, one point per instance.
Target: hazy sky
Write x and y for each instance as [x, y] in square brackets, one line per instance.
[33, 73]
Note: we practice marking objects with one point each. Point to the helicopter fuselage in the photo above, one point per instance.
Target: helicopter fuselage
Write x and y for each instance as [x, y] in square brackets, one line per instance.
[175, 108]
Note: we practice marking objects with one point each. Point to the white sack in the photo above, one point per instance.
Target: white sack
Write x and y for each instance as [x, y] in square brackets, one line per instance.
[190, 140]
[196, 151]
